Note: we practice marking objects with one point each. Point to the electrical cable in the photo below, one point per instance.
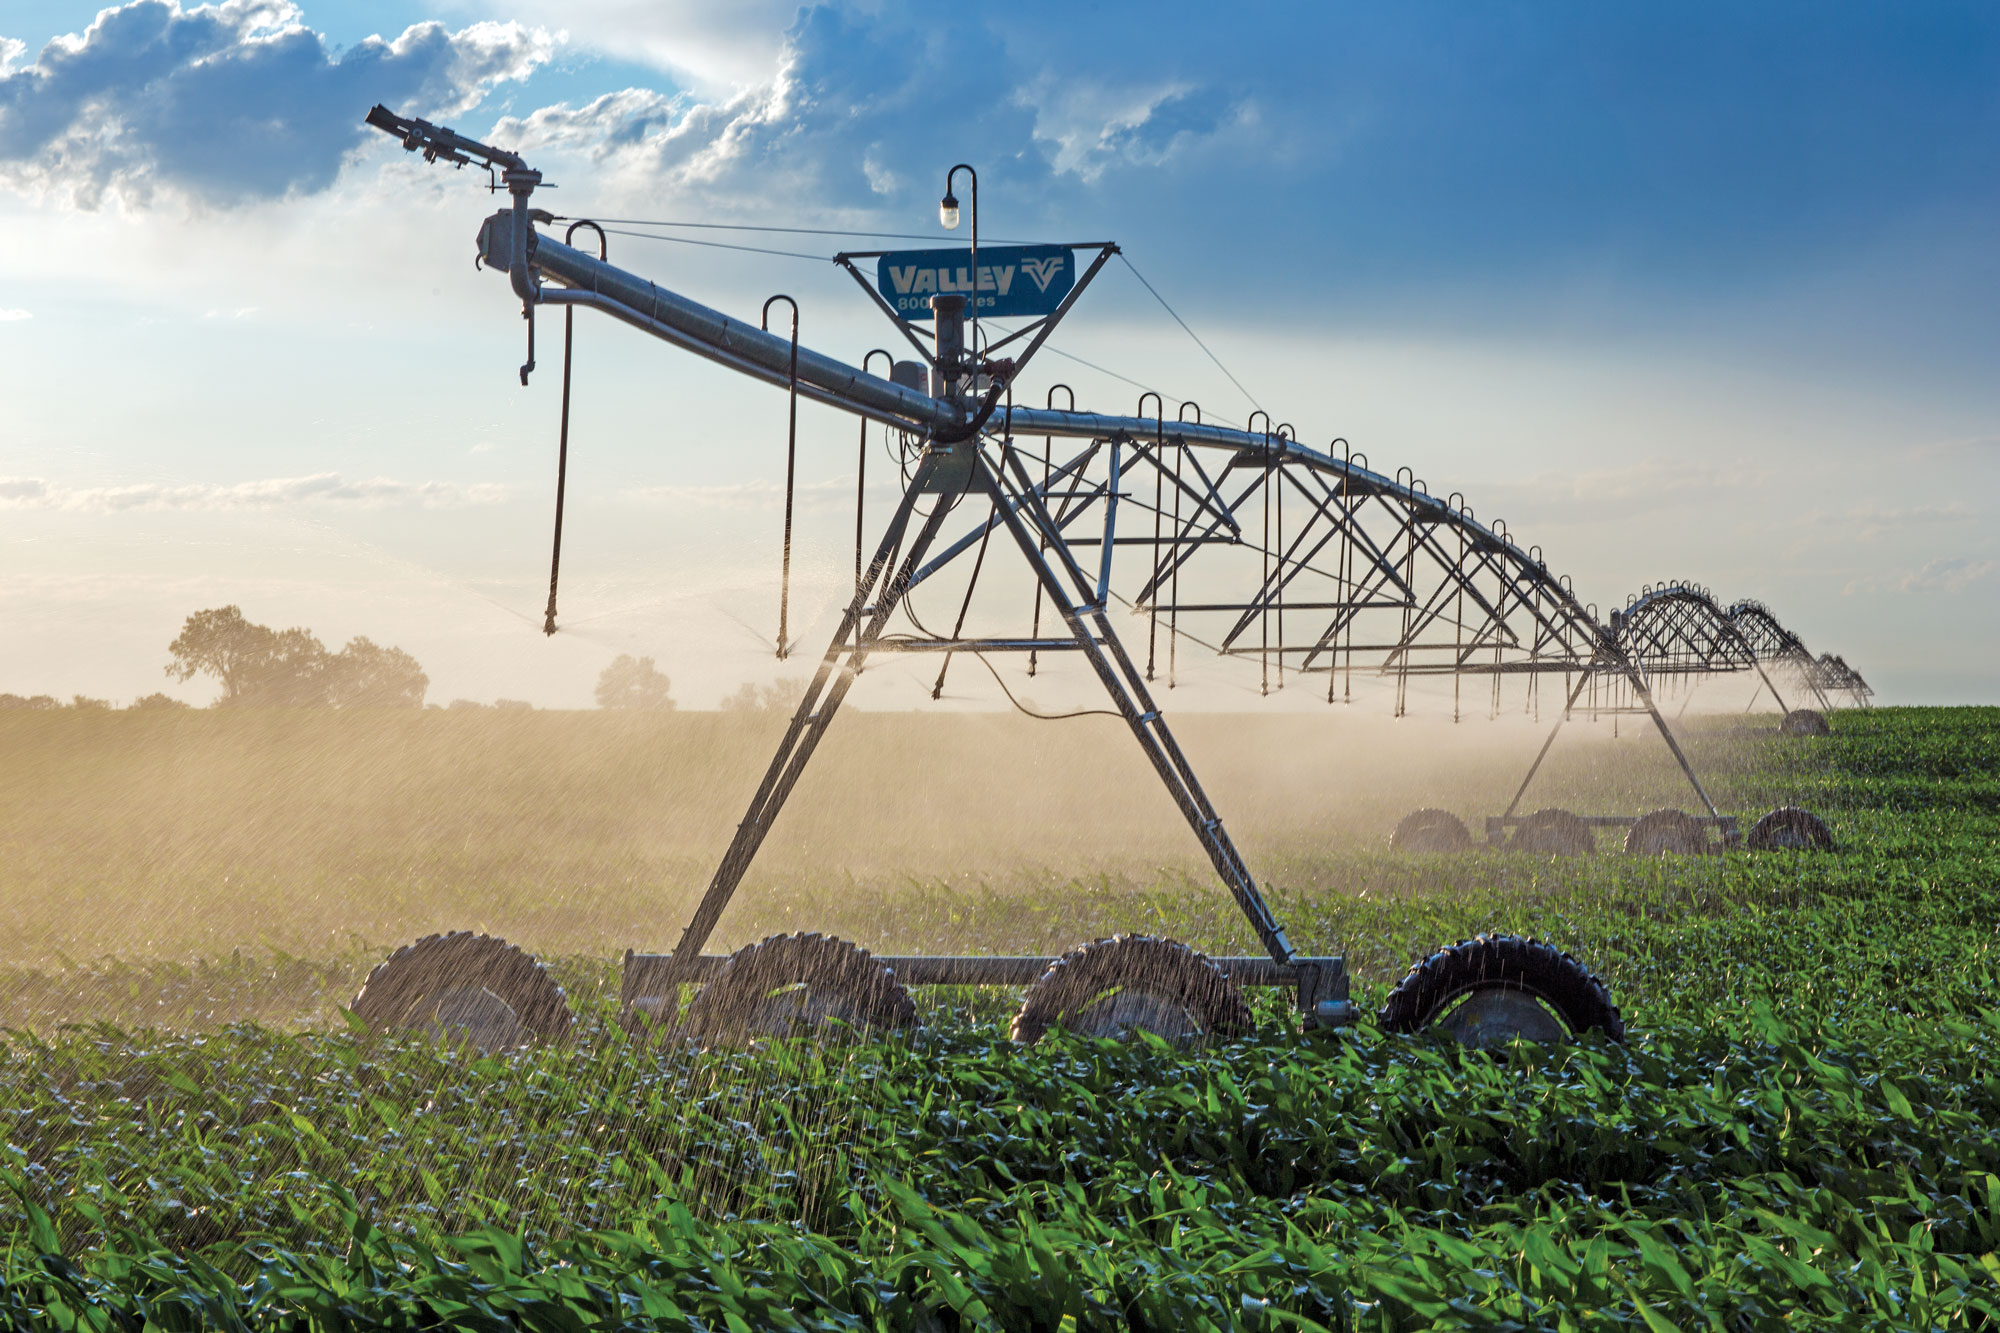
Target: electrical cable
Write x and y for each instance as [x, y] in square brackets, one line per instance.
[612, 228]
[1190, 332]
[1092, 365]
[908, 606]
[1029, 712]
[998, 680]
[720, 245]
[909, 609]
[1217, 649]
[795, 231]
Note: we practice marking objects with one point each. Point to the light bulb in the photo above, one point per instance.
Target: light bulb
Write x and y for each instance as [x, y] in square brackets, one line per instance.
[948, 212]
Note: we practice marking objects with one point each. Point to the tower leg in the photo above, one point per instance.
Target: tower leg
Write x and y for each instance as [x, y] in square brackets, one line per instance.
[1126, 685]
[1645, 697]
[1536, 767]
[1038, 538]
[837, 669]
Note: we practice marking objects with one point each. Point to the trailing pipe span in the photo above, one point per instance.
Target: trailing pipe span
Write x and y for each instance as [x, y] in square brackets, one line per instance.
[673, 318]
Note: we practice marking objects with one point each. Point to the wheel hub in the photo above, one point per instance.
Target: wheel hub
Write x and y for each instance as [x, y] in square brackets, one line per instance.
[798, 1010]
[478, 1017]
[1119, 1015]
[1488, 1019]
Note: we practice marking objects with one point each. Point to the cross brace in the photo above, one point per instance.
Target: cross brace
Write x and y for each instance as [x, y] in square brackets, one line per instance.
[1077, 599]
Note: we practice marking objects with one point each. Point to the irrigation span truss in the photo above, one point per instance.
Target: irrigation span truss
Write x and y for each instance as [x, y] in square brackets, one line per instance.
[1336, 567]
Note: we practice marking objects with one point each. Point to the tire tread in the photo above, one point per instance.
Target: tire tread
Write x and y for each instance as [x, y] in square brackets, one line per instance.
[1511, 961]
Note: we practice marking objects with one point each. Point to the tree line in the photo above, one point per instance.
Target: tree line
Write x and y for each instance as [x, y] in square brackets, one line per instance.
[261, 667]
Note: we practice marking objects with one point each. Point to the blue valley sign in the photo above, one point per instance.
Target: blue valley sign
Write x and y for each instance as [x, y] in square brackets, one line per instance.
[1014, 280]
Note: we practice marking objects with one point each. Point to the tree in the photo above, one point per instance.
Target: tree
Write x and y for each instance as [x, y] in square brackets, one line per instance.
[780, 696]
[294, 672]
[257, 665]
[260, 667]
[631, 682]
[219, 643]
[150, 702]
[365, 675]
[38, 702]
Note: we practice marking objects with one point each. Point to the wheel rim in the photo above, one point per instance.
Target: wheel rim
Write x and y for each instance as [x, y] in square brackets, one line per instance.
[1491, 1017]
[1119, 1015]
[1433, 835]
[797, 1010]
[477, 1017]
[809, 985]
[1553, 833]
[1129, 983]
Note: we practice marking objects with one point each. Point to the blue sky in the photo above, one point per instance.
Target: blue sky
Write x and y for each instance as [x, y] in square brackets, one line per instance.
[1703, 291]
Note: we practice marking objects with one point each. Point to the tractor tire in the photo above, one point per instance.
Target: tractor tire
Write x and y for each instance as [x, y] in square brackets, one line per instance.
[481, 989]
[798, 986]
[1496, 988]
[1804, 722]
[1552, 832]
[1431, 831]
[1790, 829]
[1108, 988]
[1668, 833]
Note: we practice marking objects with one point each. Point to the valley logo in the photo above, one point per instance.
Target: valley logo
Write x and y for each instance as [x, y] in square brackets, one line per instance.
[1014, 280]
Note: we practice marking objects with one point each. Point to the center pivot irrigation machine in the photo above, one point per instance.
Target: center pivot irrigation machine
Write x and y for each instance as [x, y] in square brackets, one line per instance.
[1347, 569]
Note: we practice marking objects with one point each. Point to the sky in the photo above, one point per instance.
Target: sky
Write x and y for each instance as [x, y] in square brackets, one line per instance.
[1705, 291]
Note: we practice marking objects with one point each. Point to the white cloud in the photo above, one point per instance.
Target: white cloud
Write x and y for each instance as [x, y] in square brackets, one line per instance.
[1648, 482]
[15, 315]
[229, 103]
[268, 493]
[880, 179]
[851, 115]
[1949, 574]
[1089, 126]
[239, 102]
[716, 46]
[1952, 574]
[1867, 522]
[762, 494]
[1958, 445]
[664, 141]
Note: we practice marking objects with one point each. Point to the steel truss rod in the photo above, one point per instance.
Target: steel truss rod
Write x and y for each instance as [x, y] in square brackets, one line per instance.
[556, 273]
[838, 667]
[587, 280]
[1376, 605]
[1126, 685]
[1645, 697]
[1677, 630]
[992, 521]
[1092, 634]
[900, 645]
[1536, 767]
